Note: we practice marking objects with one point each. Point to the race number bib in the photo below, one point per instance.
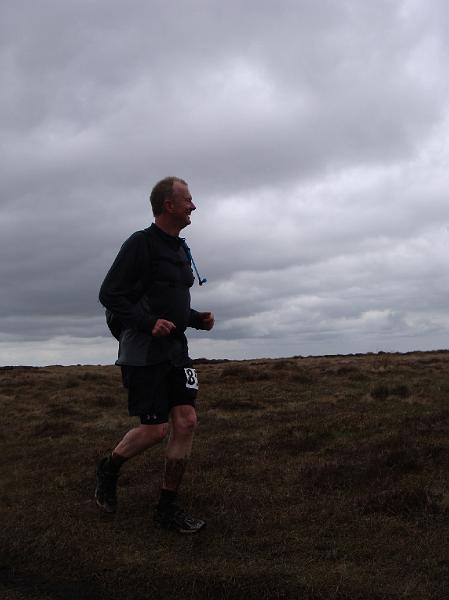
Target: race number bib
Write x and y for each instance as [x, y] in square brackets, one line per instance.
[191, 379]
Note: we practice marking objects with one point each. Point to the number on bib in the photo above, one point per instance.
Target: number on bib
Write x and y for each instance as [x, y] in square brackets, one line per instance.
[191, 378]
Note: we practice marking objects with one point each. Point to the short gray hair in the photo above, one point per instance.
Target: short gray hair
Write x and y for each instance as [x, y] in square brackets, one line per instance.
[162, 191]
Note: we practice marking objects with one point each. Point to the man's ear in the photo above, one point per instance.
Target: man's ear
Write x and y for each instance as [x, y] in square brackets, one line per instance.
[168, 204]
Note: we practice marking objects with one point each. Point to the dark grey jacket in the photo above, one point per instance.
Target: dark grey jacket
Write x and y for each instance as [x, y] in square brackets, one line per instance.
[150, 279]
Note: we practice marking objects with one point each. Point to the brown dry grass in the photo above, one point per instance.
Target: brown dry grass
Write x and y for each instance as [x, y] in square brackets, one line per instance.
[320, 478]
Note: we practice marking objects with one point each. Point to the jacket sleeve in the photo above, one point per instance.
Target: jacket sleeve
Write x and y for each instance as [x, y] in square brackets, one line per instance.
[195, 320]
[122, 286]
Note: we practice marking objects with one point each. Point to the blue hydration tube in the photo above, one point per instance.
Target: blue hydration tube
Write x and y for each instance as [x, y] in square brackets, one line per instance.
[201, 280]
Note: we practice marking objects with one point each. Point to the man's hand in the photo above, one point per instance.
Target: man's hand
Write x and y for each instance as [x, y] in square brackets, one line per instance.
[162, 328]
[207, 320]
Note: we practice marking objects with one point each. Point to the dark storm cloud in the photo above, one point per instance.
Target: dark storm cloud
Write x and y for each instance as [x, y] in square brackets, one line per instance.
[313, 135]
[236, 96]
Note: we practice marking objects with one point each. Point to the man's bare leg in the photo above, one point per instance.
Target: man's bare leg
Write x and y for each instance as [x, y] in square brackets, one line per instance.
[139, 439]
[179, 447]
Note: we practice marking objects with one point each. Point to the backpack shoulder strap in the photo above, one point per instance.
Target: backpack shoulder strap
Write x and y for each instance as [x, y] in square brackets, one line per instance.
[149, 258]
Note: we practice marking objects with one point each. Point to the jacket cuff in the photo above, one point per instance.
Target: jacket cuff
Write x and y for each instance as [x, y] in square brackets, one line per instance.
[195, 320]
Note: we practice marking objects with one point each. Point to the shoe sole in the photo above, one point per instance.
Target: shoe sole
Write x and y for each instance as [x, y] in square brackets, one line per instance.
[190, 531]
[179, 530]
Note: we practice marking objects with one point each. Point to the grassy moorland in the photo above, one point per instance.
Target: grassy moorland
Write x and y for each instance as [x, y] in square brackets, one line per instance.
[320, 478]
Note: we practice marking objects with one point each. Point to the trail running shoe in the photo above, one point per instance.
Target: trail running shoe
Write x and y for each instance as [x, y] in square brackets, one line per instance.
[176, 519]
[106, 489]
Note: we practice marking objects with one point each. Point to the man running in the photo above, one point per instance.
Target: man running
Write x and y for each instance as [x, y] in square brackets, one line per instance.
[147, 290]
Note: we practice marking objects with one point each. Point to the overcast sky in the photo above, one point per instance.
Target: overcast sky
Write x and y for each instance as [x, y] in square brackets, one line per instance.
[314, 137]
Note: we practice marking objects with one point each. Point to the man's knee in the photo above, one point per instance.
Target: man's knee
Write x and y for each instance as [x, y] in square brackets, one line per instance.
[184, 421]
[154, 434]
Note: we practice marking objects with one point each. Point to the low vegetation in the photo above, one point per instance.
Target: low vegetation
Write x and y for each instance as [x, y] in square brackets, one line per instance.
[320, 478]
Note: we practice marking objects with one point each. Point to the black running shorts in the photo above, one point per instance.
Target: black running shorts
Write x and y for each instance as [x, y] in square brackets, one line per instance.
[155, 389]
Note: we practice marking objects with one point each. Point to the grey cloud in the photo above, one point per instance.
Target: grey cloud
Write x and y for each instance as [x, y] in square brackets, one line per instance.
[345, 71]
[42, 327]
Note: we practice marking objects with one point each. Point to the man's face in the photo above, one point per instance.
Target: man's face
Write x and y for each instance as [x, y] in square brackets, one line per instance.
[181, 205]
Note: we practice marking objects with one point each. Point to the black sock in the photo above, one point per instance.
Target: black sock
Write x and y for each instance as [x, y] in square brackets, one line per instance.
[167, 498]
[116, 461]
